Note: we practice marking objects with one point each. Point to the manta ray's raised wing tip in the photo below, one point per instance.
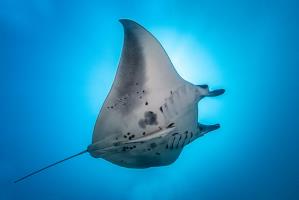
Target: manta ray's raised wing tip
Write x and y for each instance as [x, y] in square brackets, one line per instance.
[125, 22]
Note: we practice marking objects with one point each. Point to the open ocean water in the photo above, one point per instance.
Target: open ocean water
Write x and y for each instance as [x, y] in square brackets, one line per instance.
[57, 63]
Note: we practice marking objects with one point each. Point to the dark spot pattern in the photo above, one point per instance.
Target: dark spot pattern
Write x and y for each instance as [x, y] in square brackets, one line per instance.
[126, 148]
[161, 109]
[170, 125]
[150, 118]
[131, 137]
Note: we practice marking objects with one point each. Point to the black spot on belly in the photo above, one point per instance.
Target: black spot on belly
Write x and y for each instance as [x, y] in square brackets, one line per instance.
[170, 125]
[150, 118]
[161, 109]
[146, 103]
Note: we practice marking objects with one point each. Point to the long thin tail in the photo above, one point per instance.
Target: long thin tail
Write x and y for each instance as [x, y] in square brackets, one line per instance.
[42, 169]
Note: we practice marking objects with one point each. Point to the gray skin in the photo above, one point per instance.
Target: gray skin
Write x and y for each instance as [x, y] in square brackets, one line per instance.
[150, 113]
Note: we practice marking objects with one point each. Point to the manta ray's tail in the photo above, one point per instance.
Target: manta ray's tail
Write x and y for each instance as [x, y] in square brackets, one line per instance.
[53, 164]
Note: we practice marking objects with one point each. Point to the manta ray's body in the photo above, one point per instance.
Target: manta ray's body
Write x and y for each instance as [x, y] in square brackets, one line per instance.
[150, 113]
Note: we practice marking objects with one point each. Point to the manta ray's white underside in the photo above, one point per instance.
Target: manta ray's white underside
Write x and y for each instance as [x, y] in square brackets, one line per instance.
[150, 113]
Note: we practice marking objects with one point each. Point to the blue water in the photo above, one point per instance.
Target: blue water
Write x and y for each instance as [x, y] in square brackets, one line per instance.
[57, 63]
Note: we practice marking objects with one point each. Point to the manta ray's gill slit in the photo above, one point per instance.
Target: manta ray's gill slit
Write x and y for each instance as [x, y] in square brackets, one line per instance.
[171, 147]
[174, 134]
[191, 136]
[177, 146]
[186, 136]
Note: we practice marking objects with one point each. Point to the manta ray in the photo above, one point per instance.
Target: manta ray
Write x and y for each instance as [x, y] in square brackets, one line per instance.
[151, 112]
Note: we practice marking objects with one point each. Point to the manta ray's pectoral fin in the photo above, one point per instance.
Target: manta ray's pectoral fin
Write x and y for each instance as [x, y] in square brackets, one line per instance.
[204, 129]
[155, 135]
